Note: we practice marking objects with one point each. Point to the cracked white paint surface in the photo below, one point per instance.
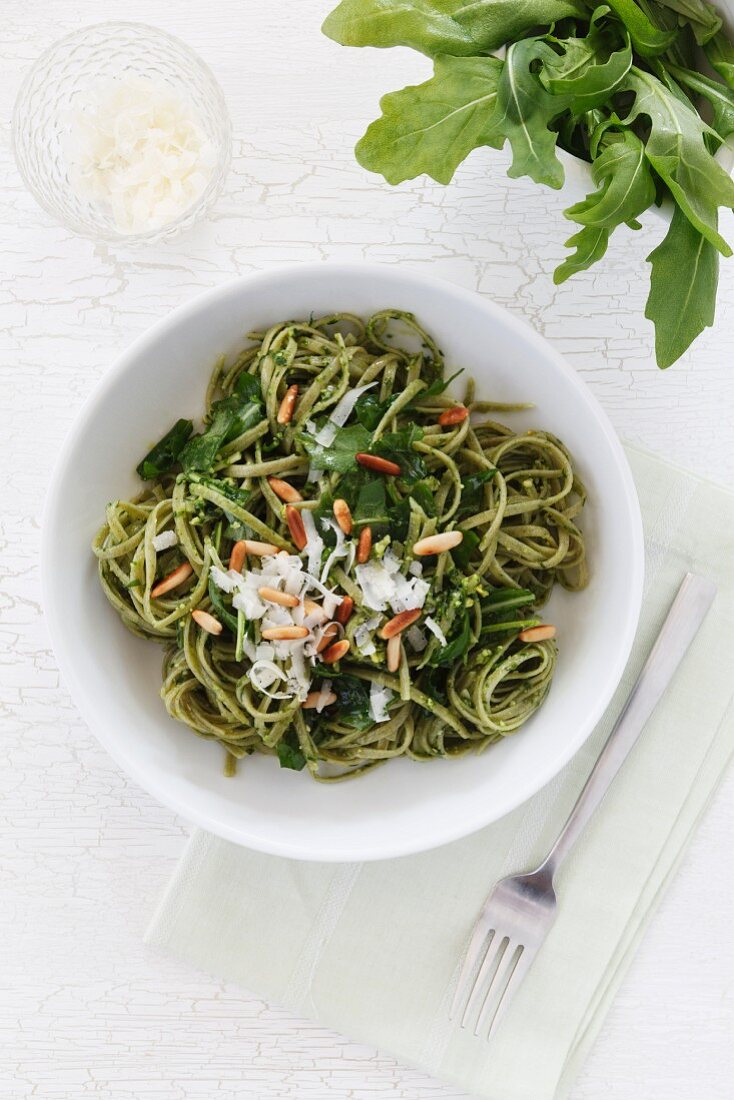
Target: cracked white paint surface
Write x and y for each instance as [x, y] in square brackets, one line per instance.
[85, 1008]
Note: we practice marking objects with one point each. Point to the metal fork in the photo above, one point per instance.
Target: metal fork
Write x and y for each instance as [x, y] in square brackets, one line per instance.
[520, 910]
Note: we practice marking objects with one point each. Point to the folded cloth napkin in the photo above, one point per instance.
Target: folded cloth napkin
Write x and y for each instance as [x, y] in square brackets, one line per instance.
[373, 950]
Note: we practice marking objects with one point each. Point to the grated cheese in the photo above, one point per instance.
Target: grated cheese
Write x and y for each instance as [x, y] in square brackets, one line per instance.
[164, 541]
[379, 698]
[138, 147]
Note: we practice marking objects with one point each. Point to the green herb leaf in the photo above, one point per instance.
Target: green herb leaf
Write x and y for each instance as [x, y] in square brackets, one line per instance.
[463, 553]
[647, 39]
[677, 151]
[352, 701]
[683, 283]
[432, 127]
[457, 643]
[472, 499]
[589, 245]
[370, 506]
[369, 410]
[719, 96]
[339, 455]
[164, 456]
[230, 417]
[290, 756]
[720, 52]
[442, 26]
[525, 110]
[589, 69]
[700, 16]
[438, 386]
[399, 447]
[221, 610]
[423, 495]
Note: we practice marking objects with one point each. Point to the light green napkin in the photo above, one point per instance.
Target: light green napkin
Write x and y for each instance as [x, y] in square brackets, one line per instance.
[372, 950]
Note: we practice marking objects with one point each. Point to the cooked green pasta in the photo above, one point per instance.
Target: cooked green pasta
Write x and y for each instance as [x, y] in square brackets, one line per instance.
[345, 564]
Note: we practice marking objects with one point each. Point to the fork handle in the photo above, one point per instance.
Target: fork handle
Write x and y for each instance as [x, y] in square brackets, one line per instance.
[686, 614]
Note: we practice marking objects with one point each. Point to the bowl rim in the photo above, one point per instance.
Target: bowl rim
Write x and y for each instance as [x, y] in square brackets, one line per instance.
[192, 213]
[367, 851]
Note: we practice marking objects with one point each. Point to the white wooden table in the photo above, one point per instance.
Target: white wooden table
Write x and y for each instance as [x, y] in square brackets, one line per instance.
[85, 1008]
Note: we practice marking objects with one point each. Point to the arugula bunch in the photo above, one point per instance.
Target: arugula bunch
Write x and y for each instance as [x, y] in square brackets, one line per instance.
[619, 85]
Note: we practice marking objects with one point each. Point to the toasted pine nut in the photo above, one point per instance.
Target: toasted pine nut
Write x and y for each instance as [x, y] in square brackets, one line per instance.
[379, 465]
[335, 652]
[180, 574]
[295, 525]
[436, 544]
[272, 595]
[310, 607]
[330, 633]
[399, 622]
[237, 557]
[343, 516]
[394, 653]
[344, 610]
[453, 416]
[364, 545]
[284, 633]
[260, 549]
[287, 405]
[207, 622]
[284, 490]
[540, 633]
[312, 700]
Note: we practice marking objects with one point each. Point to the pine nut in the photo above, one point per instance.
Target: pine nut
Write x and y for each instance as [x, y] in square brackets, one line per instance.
[207, 622]
[379, 465]
[273, 595]
[310, 607]
[180, 574]
[343, 516]
[284, 490]
[287, 405]
[344, 610]
[237, 557]
[260, 549]
[364, 545]
[284, 633]
[394, 653]
[330, 633]
[335, 652]
[313, 699]
[436, 544]
[452, 416]
[541, 633]
[399, 622]
[295, 525]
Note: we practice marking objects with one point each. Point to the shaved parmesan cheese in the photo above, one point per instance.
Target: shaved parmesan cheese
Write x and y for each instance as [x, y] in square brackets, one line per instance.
[314, 547]
[227, 582]
[379, 698]
[417, 638]
[382, 588]
[248, 601]
[435, 629]
[263, 674]
[416, 568]
[138, 147]
[324, 696]
[164, 541]
[343, 409]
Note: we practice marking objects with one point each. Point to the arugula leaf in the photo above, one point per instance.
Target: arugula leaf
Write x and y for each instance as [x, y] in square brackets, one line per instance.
[398, 447]
[647, 39]
[457, 643]
[700, 16]
[471, 492]
[352, 701]
[683, 283]
[442, 26]
[677, 151]
[462, 553]
[164, 456]
[221, 610]
[289, 755]
[432, 127]
[369, 410]
[228, 489]
[720, 53]
[438, 386]
[423, 495]
[589, 69]
[370, 506]
[230, 417]
[589, 245]
[525, 110]
[339, 455]
[719, 96]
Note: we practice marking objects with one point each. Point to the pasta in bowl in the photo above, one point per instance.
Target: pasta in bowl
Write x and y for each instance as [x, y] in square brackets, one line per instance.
[346, 564]
[467, 623]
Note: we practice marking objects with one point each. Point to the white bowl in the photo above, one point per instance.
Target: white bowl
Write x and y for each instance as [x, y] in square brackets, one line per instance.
[115, 678]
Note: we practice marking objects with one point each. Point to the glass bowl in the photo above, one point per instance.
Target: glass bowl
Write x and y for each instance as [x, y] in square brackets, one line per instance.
[59, 84]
